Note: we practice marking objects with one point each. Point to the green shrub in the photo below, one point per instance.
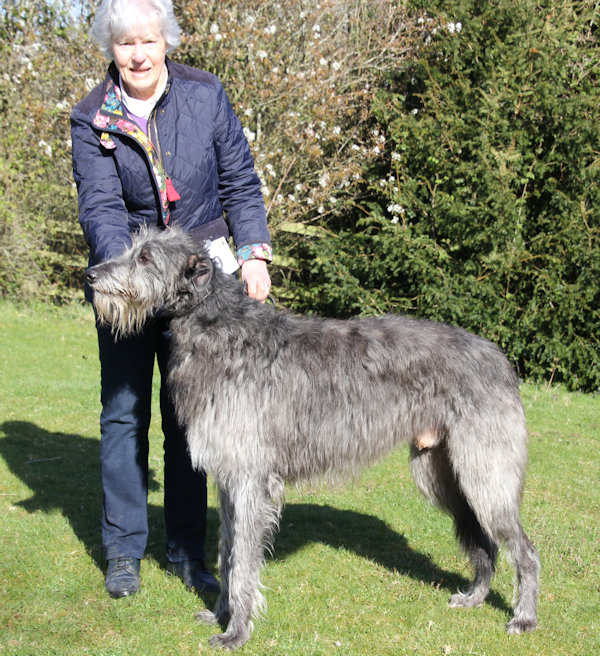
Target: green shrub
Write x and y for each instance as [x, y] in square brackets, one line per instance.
[485, 209]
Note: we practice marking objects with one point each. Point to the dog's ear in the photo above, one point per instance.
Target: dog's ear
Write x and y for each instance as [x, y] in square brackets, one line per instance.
[199, 270]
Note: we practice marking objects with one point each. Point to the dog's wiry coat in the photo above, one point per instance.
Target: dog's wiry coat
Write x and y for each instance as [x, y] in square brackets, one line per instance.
[267, 397]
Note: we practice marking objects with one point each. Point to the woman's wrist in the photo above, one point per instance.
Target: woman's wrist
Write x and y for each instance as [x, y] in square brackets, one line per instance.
[259, 251]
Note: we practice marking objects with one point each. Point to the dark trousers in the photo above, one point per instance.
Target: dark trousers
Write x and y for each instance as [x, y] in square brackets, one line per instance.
[126, 369]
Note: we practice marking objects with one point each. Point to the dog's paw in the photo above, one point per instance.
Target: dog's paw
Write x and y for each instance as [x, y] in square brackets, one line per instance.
[465, 600]
[516, 626]
[229, 640]
[207, 617]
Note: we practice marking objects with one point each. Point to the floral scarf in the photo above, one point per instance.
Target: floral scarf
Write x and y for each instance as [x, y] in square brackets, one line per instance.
[111, 117]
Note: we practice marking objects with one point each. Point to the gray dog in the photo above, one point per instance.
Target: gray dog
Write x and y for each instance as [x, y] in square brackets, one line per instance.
[267, 397]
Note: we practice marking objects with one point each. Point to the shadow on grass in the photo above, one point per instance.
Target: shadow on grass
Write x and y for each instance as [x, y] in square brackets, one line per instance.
[63, 472]
[371, 538]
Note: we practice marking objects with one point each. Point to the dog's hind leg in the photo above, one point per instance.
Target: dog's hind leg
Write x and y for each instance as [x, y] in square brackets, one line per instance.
[253, 517]
[435, 477]
[527, 564]
[490, 474]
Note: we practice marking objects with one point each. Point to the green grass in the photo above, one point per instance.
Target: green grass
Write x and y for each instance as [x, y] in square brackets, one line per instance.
[362, 569]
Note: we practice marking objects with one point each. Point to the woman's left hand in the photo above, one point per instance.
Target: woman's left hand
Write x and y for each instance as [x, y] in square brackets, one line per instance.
[256, 277]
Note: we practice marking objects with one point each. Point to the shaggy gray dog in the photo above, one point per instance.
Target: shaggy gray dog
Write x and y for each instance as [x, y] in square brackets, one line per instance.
[267, 397]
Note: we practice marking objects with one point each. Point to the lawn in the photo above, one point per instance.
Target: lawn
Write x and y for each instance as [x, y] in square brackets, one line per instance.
[363, 569]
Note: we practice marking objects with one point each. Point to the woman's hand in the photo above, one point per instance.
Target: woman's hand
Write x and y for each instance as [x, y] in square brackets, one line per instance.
[256, 277]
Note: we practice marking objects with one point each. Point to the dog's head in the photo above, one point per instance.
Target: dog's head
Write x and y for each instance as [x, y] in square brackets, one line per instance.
[166, 271]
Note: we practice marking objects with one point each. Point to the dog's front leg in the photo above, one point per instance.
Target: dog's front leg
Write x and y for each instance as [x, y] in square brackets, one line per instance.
[249, 516]
[220, 615]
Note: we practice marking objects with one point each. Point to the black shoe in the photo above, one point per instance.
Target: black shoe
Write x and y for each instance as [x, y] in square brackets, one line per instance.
[195, 575]
[122, 577]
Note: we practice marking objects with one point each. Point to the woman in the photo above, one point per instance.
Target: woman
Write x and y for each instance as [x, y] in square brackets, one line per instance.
[157, 143]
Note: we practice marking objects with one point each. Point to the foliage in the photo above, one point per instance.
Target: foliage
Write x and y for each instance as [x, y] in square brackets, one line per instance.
[484, 210]
[301, 76]
[46, 68]
[439, 159]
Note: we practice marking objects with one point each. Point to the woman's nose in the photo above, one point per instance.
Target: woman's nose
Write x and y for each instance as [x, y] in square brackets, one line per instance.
[139, 54]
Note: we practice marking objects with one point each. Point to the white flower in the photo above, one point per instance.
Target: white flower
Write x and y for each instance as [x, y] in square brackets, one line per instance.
[271, 29]
[337, 130]
[214, 28]
[324, 179]
[396, 157]
[316, 27]
[323, 61]
[251, 136]
[395, 209]
[249, 112]
[332, 200]
[336, 66]
[262, 54]
[45, 147]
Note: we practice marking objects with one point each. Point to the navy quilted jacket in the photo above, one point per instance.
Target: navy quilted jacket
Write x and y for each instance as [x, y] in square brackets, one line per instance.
[197, 172]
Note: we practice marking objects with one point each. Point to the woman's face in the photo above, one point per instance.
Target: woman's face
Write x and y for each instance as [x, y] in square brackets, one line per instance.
[140, 58]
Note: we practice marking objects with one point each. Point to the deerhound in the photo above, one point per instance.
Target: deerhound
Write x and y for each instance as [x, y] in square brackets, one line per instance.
[268, 397]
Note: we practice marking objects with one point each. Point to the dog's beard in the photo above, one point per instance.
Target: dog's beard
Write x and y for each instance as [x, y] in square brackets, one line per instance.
[124, 317]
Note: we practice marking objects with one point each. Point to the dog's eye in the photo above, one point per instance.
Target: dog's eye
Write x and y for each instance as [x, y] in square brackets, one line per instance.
[144, 257]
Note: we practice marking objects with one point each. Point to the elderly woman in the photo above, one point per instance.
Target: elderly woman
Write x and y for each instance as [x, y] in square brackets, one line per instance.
[157, 143]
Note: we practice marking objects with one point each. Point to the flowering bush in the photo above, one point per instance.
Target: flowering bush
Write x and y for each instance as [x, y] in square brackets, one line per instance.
[301, 76]
[45, 62]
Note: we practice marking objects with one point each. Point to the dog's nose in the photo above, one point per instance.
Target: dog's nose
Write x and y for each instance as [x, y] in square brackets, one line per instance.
[91, 276]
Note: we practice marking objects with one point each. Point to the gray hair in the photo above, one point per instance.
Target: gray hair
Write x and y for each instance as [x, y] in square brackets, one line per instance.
[114, 18]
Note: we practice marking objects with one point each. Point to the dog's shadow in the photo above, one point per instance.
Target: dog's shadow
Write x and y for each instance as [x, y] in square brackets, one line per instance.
[369, 537]
[63, 472]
